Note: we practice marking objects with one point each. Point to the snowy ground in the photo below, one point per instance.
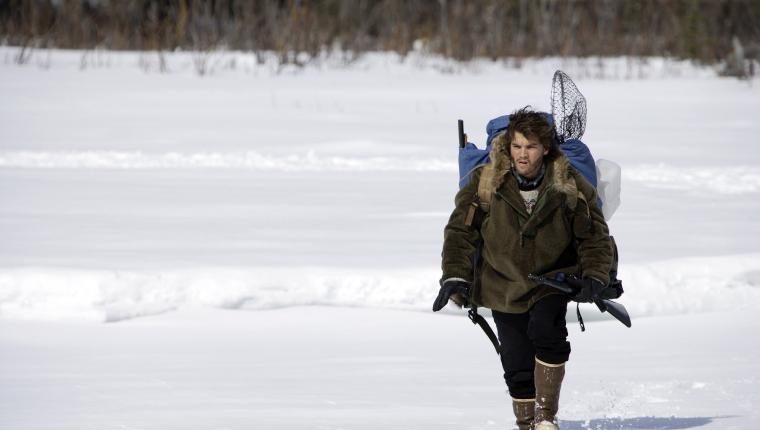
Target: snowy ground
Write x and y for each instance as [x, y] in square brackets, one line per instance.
[130, 193]
[353, 368]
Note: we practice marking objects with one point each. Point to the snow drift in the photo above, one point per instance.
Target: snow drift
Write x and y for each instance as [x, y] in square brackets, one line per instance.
[669, 287]
[725, 180]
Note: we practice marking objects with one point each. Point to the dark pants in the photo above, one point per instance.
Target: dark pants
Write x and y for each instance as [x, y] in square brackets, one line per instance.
[539, 333]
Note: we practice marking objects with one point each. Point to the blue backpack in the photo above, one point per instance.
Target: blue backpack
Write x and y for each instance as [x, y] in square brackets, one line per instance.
[471, 157]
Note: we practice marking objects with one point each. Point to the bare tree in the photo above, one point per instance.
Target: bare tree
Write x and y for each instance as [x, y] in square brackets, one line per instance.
[301, 30]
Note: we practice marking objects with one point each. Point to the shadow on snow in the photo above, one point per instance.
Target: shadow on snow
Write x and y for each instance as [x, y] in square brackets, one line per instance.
[639, 423]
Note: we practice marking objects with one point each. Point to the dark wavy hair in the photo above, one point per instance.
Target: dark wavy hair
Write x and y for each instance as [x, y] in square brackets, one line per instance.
[534, 126]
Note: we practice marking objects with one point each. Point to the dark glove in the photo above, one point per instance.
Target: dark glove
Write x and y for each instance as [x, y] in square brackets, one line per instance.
[613, 291]
[586, 289]
[447, 290]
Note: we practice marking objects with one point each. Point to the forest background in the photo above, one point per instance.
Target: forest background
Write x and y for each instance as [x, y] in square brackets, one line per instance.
[715, 32]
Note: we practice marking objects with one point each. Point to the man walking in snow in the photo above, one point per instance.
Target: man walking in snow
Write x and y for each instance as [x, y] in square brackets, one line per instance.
[526, 212]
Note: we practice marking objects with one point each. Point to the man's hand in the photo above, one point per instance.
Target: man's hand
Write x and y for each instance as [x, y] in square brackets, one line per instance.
[587, 289]
[448, 288]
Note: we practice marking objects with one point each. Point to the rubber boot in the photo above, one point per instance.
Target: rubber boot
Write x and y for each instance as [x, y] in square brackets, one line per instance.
[548, 379]
[524, 410]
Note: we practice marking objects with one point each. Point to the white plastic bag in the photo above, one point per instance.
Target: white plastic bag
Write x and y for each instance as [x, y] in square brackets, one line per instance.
[608, 186]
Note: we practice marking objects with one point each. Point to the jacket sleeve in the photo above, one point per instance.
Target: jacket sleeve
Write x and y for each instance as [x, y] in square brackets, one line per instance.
[459, 238]
[595, 251]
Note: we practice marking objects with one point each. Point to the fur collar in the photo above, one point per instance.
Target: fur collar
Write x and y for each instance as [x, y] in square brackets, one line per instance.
[558, 172]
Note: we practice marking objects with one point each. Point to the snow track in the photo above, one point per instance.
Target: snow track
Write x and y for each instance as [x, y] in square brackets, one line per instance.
[730, 180]
[331, 368]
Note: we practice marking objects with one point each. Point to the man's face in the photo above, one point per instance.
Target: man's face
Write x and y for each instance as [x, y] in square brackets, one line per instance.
[527, 155]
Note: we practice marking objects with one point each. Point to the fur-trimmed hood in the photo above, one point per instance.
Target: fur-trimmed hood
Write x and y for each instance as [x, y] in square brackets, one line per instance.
[558, 170]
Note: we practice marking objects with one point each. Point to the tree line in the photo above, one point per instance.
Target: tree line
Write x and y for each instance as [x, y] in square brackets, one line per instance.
[704, 30]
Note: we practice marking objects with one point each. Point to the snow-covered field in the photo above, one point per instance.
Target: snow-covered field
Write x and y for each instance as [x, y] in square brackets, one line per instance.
[313, 202]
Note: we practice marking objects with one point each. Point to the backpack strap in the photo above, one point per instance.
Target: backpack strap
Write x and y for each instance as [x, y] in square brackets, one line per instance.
[574, 196]
[582, 197]
[485, 187]
[485, 192]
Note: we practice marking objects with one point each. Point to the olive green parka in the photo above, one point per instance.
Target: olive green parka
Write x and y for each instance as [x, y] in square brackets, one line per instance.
[565, 232]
